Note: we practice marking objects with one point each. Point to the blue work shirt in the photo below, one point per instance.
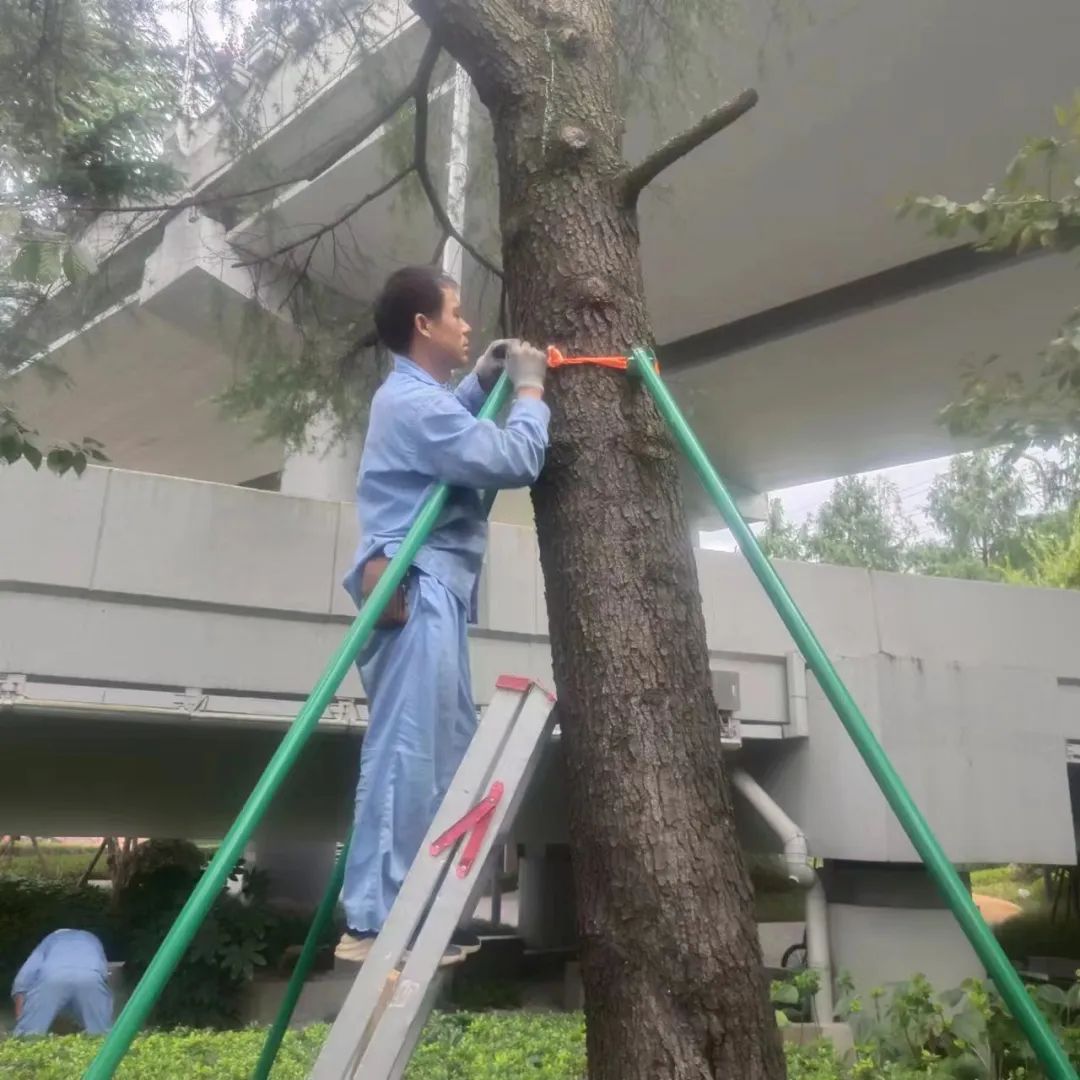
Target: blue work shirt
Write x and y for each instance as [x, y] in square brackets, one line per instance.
[420, 433]
[61, 950]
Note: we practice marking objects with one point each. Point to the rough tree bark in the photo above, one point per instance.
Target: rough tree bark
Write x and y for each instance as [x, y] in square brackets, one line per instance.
[671, 962]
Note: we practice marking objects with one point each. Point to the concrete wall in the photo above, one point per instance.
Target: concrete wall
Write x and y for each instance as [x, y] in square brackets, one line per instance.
[220, 606]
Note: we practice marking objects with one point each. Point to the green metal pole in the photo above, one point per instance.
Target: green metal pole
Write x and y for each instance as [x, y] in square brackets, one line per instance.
[956, 895]
[319, 923]
[210, 884]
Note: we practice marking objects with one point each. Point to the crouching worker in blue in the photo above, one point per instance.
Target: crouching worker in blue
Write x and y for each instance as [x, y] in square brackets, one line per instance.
[67, 972]
[415, 667]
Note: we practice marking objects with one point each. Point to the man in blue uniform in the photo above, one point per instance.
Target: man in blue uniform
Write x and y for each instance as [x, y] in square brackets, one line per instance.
[415, 667]
[67, 972]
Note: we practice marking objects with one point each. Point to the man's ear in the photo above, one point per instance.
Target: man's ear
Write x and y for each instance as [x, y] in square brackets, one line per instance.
[422, 324]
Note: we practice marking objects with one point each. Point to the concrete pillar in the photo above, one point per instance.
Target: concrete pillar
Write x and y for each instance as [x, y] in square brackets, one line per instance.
[887, 922]
[547, 911]
[297, 872]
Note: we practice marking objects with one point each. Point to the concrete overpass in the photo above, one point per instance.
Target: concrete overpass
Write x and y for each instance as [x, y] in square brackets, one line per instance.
[159, 633]
[806, 331]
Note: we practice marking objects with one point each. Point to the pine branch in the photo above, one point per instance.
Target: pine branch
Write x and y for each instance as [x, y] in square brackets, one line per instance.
[325, 157]
[637, 178]
[420, 162]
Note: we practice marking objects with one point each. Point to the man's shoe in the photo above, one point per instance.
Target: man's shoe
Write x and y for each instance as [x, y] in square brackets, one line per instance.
[467, 941]
[452, 955]
[354, 947]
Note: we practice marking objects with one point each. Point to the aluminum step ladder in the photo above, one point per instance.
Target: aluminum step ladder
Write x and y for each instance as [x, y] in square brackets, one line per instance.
[385, 1012]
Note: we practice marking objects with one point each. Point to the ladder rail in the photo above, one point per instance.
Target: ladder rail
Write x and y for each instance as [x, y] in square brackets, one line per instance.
[404, 1016]
[498, 724]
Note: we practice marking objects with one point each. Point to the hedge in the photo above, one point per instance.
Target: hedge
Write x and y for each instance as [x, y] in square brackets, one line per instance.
[456, 1046]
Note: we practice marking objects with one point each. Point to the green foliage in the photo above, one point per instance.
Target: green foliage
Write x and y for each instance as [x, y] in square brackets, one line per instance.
[1022, 885]
[908, 1033]
[1036, 934]
[976, 505]
[458, 1046]
[180, 1055]
[204, 991]
[861, 524]
[967, 1033]
[791, 997]
[88, 91]
[1036, 206]
[30, 909]
[1053, 556]
[997, 517]
[52, 862]
[21, 443]
[501, 1046]
[327, 376]
[780, 538]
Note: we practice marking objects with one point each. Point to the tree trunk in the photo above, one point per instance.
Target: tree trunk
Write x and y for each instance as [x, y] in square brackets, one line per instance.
[672, 967]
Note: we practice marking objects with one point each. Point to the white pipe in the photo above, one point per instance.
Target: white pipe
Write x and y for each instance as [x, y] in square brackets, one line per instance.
[798, 704]
[796, 849]
[817, 950]
[801, 871]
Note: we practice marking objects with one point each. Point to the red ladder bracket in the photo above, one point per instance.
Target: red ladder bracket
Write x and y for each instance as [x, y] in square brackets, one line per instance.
[476, 824]
[522, 684]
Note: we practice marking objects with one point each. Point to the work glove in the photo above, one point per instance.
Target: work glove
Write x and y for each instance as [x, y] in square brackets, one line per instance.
[491, 363]
[526, 365]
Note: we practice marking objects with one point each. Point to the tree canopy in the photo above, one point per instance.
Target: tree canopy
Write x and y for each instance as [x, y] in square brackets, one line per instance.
[988, 517]
[1035, 206]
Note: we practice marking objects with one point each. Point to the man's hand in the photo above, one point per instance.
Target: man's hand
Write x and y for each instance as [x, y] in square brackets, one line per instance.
[527, 368]
[20, 1000]
[491, 363]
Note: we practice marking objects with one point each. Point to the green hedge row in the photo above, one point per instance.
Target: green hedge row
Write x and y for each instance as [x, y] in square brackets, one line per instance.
[457, 1046]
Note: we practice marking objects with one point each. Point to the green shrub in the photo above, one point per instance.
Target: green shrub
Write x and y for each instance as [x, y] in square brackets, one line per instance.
[1034, 934]
[458, 1046]
[56, 862]
[965, 1033]
[205, 988]
[30, 909]
[501, 1046]
[179, 1055]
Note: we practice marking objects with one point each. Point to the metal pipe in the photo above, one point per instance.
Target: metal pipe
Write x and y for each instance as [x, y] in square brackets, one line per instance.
[956, 895]
[232, 846]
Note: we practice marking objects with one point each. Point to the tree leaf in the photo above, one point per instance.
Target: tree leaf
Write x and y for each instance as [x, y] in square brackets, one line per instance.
[11, 447]
[59, 460]
[32, 454]
[970, 1025]
[1052, 995]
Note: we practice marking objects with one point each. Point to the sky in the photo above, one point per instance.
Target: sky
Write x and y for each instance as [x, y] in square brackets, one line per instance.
[912, 481]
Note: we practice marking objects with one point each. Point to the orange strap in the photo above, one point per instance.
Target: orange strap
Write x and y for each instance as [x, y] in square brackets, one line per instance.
[556, 359]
